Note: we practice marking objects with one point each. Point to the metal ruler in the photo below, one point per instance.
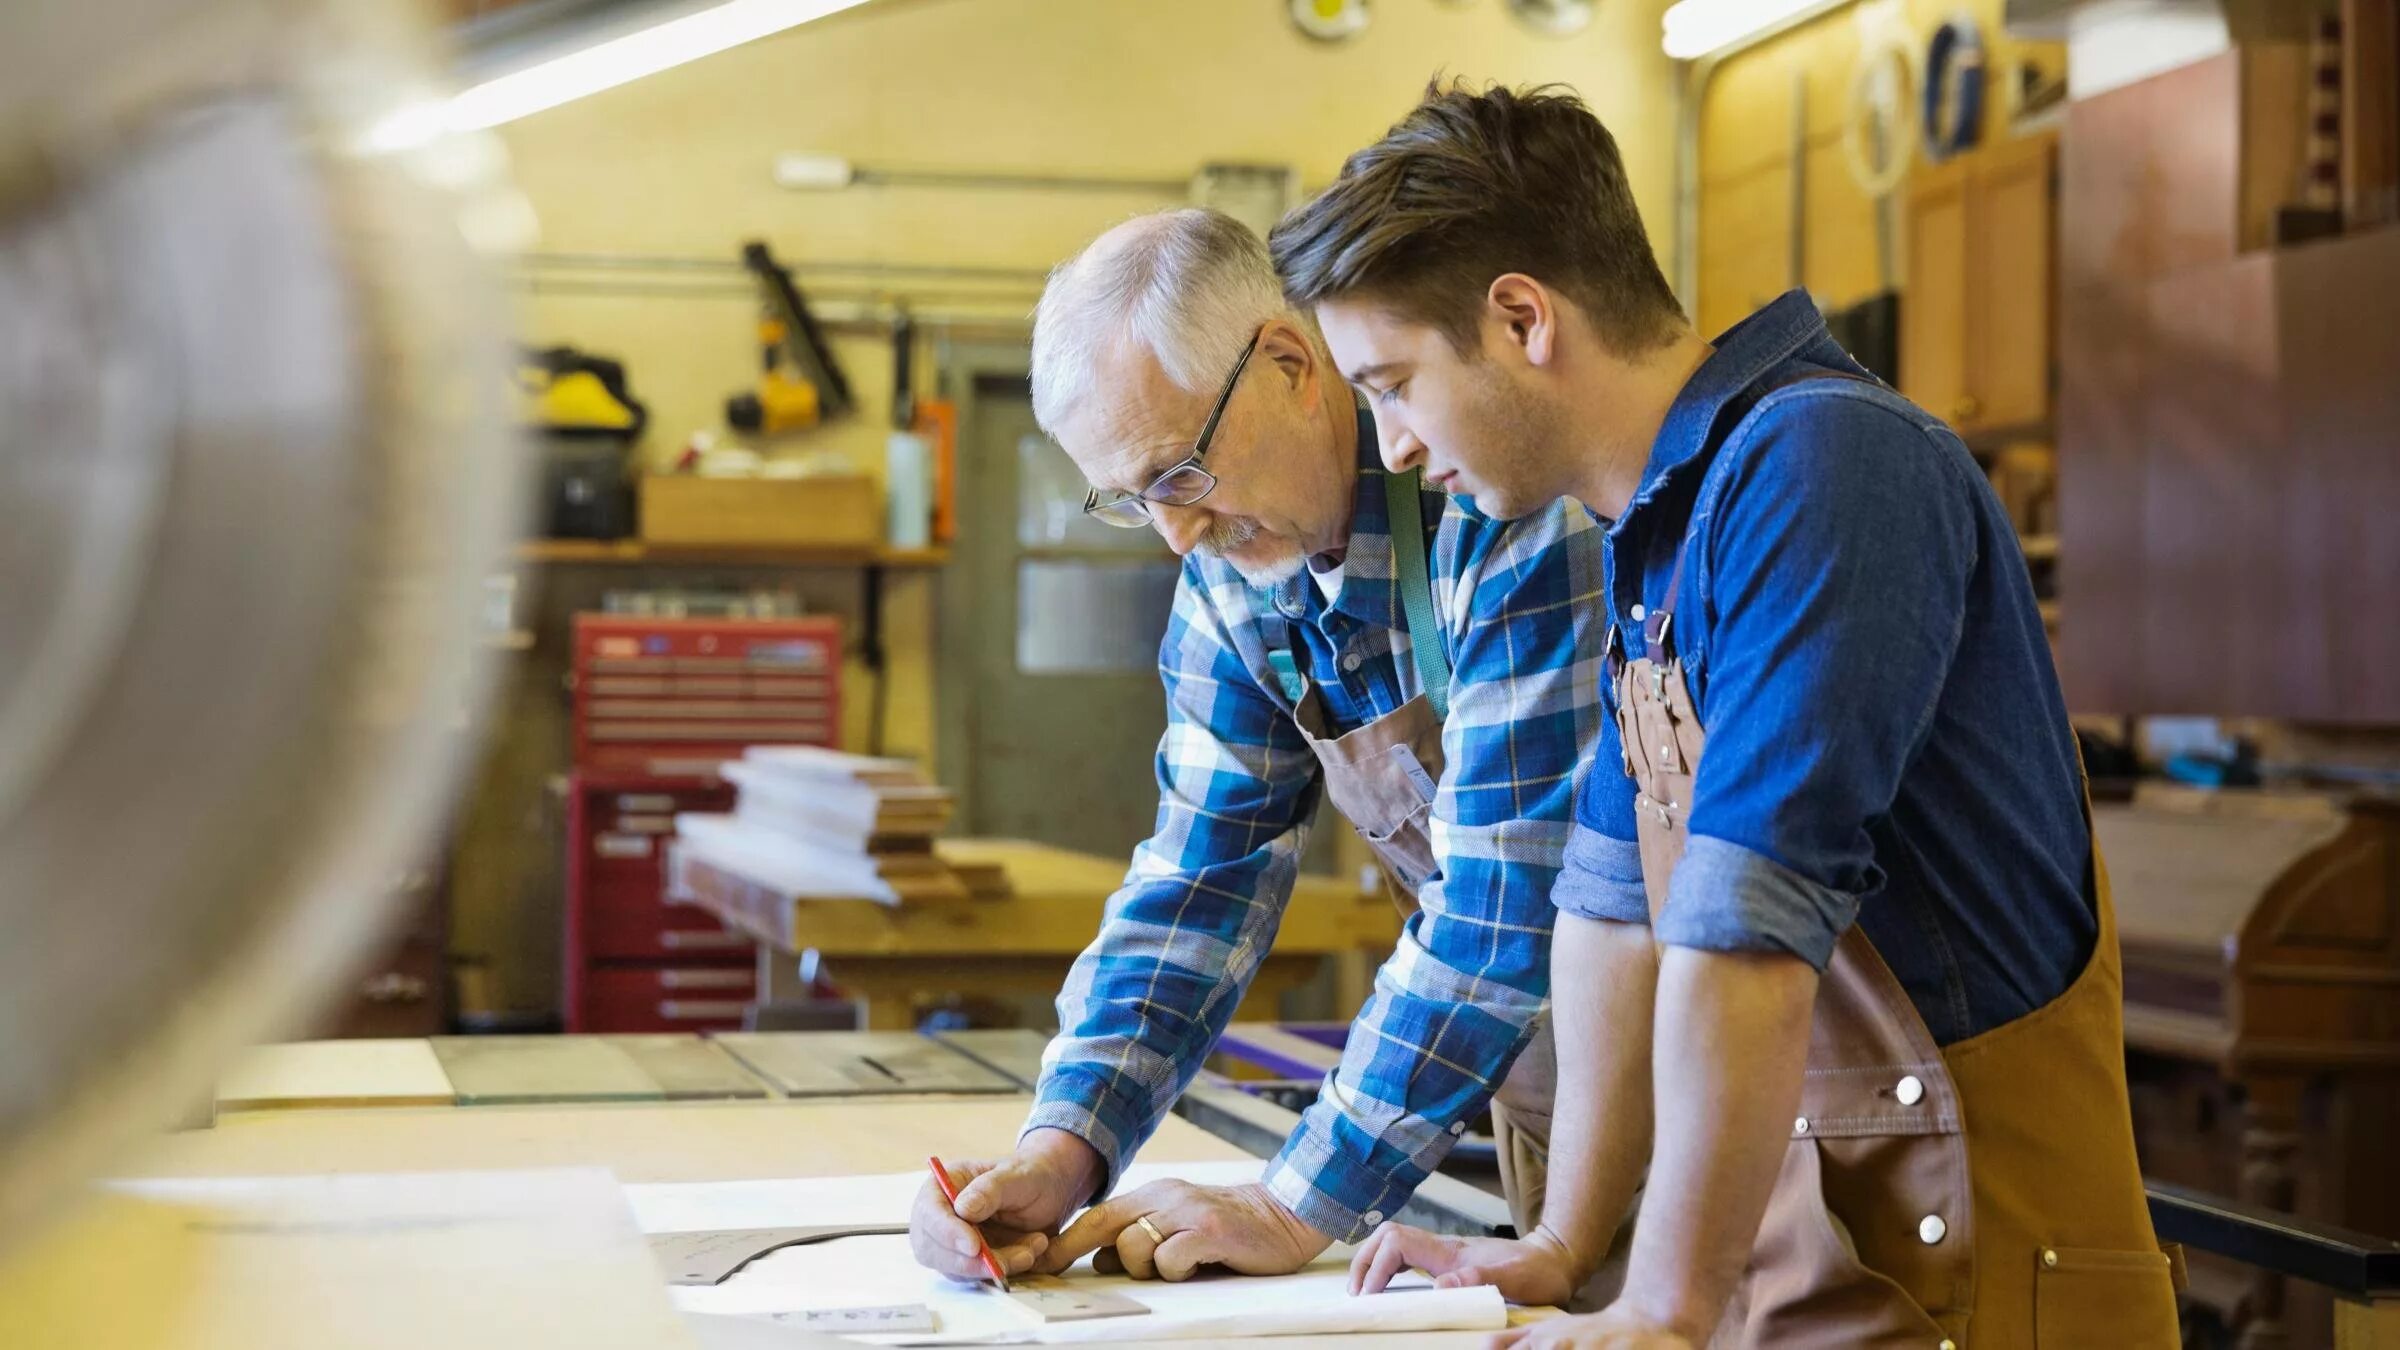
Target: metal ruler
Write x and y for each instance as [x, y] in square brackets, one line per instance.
[1051, 1299]
[890, 1317]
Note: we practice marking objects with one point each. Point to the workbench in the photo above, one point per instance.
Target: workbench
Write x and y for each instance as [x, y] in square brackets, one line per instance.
[723, 1108]
[898, 959]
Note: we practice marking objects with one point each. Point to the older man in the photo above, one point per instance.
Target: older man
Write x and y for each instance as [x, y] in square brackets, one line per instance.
[1336, 630]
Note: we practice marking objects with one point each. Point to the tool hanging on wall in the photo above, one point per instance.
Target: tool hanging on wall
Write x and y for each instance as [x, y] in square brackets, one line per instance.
[1954, 71]
[813, 389]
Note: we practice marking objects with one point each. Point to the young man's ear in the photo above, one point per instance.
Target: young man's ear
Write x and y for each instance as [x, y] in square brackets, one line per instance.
[1526, 313]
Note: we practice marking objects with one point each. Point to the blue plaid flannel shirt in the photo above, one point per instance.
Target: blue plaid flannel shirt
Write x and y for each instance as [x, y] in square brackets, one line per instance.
[1520, 606]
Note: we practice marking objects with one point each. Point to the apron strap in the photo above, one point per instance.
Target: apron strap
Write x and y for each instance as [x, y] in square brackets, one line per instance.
[1287, 674]
[1657, 622]
[1656, 644]
[1410, 573]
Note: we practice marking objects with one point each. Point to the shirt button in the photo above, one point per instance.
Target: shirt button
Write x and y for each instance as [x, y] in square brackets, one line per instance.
[1372, 1217]
[1350, 662]
[2049, 1258]
[1931, 1229]
[1909, 1090]
[1800, 1126]
[1640, 613]
[1458, 1127]
[1948, 1344]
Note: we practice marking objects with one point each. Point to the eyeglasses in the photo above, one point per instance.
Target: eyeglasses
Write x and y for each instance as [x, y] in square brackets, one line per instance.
[1183, 484]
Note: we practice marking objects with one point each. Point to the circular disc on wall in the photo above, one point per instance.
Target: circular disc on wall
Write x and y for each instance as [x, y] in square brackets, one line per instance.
[1330, 20]
[1556, 17]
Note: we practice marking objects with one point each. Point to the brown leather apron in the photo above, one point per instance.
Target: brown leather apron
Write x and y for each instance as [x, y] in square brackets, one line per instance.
[1382, 778]
[1981, 1195]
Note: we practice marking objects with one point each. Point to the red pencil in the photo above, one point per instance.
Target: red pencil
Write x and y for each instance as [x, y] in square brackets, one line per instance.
[950, 1193]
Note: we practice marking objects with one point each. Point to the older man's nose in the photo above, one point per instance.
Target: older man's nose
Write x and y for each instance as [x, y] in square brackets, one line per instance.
[1183, 527]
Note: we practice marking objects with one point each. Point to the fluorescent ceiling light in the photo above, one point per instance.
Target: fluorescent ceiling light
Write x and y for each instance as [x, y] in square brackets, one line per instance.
[604, 65]
[1696, 28]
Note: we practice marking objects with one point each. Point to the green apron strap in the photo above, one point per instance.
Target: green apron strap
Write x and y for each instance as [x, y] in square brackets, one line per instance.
[1415, 581]
[1287, 674]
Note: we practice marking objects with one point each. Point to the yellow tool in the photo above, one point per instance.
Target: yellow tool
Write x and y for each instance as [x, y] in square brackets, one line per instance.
[811, 388]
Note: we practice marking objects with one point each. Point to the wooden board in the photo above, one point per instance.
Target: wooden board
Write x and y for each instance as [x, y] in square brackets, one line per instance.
[695, 1141]
[688, 1068]
[488, 1070]
[335, 1074]
[871, 1063]
[1014, 1051]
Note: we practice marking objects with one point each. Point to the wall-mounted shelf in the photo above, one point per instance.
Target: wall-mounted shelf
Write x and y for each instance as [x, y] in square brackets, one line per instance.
[586, 552]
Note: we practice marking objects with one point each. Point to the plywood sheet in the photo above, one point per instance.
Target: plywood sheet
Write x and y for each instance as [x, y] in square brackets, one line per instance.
[335, 1074]
[840, 1064]
[696, 1141]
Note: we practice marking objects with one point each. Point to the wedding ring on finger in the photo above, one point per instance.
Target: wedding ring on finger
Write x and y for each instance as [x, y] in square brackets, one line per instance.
[1156, 1237]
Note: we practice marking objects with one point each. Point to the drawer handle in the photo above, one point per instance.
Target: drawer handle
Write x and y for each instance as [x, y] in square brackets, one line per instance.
[702, 1010]
[686, 941]
[393, 987]
[707, 979]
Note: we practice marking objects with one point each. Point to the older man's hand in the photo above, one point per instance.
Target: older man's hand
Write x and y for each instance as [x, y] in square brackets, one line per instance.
[1241, 1228]
[1017, 1203]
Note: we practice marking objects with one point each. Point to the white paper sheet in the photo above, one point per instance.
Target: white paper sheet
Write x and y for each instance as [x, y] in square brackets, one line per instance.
[869, 1271]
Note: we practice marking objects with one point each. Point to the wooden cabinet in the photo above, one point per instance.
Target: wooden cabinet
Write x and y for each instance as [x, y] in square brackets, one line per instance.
[1977, 317]
[2228, 419]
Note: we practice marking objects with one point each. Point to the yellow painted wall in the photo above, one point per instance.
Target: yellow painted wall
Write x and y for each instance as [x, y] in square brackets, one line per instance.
[680, 165]
[1745, 159]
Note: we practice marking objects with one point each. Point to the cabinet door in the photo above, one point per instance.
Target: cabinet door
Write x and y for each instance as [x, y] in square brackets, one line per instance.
[2011, 285]
[1934, 315]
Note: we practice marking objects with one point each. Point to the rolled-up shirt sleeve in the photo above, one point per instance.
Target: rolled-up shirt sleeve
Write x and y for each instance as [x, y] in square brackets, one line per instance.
[1835, 580]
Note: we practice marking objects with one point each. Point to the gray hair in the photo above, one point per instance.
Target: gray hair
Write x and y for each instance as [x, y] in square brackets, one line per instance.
[1190, 285]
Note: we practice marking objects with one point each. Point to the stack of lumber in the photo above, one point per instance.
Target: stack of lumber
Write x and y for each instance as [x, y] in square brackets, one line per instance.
[820, 824]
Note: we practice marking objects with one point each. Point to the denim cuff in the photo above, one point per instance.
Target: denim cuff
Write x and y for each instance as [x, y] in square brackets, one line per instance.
[1727, 898]
[1601, 878]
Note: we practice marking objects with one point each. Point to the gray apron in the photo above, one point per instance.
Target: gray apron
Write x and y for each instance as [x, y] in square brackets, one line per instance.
[1381, 777]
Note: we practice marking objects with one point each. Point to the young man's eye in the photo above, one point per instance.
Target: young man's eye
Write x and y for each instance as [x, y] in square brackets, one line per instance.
[1392, 394]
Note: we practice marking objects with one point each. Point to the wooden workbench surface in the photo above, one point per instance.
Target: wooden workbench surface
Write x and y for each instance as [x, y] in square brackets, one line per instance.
[682, 1141]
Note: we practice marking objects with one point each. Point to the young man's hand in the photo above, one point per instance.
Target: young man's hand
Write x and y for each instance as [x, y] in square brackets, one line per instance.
[1536, 1270]
[1610, 1329]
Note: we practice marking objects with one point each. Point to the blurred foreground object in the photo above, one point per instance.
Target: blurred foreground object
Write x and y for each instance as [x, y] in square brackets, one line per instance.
[250, 482]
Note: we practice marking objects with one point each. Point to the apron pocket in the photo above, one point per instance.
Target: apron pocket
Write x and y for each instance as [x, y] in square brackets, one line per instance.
[2085, 1296]
[1807, 1289]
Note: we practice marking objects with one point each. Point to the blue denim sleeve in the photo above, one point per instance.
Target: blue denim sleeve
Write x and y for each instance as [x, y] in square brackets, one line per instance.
[1834, 578]
[1601, 876]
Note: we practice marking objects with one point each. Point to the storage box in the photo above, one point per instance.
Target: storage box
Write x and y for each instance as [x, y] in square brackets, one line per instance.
[837, 510]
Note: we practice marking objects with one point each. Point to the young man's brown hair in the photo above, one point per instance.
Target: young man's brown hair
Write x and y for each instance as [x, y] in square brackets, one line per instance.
[1470, 186]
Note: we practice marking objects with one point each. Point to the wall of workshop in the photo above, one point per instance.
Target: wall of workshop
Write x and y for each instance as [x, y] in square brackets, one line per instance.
[1746, 215]
[679, 165]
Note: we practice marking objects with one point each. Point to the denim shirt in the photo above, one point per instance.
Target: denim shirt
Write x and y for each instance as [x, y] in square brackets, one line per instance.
[1887, 742]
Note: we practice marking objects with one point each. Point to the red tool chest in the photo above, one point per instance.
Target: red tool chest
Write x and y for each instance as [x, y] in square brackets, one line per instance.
[657, 703]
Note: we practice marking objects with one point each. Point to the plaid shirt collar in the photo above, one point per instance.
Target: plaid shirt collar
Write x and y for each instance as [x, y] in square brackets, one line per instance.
[1367, 593]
